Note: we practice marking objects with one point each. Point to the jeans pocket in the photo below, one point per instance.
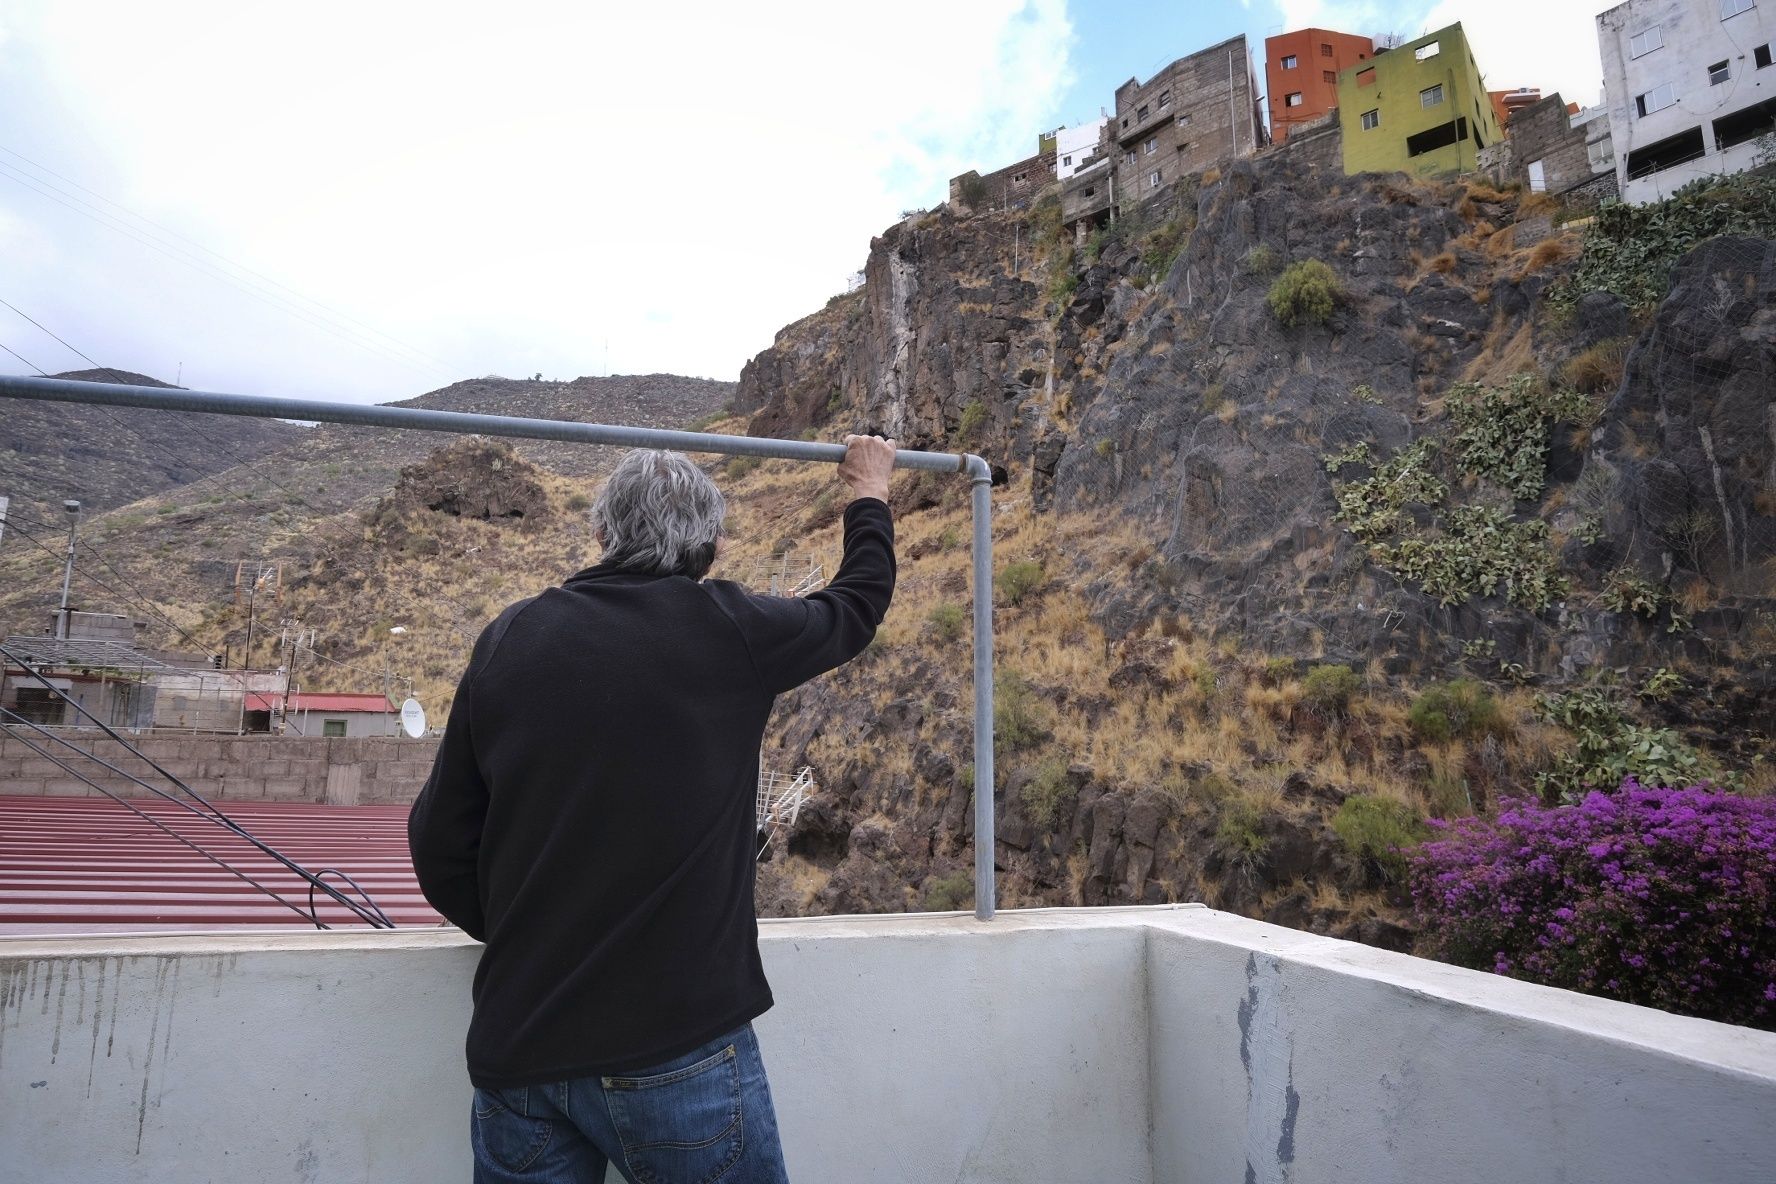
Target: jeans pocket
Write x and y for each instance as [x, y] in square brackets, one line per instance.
[683, 1126]
[506, 1136]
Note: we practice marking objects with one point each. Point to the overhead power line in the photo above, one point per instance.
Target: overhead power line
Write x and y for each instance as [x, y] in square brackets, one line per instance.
[396, 341]
[178, 254]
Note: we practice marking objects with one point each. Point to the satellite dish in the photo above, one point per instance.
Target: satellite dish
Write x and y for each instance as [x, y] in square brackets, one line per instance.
[413, 720]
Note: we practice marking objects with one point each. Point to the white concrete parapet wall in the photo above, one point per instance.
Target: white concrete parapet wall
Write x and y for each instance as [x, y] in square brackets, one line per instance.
[1164, 1044]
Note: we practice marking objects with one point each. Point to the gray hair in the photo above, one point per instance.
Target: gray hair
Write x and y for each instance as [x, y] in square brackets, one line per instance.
[659, 514]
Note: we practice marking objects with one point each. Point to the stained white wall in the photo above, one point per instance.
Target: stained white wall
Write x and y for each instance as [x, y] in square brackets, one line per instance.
[1074, 144]
[1694, 37]
[1114, 1044]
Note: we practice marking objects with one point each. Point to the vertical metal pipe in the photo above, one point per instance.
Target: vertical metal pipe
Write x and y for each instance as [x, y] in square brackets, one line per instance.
[985, 889]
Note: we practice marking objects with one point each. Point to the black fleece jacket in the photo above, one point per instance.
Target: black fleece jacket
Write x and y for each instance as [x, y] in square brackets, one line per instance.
[591, 812]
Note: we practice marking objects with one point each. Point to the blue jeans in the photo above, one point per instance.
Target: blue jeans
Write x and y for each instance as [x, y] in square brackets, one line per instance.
[698, 1118]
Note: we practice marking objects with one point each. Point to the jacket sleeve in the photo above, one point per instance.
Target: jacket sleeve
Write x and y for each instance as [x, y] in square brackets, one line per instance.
[792, 639]
[444, 826]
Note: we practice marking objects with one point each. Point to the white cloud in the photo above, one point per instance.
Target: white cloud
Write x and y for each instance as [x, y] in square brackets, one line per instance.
[507, 193]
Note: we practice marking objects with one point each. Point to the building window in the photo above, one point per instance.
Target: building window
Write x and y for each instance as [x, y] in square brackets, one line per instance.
[1735, 7]
[1289, 62]
[1293, 100]
[1657, 99]
[1165, 99]
[333, 727]
[1371, 120]
[1761, 55]
[1745, 125]
[1538, 178]
[1718, 74]
[1645, 42]
[1437, 137]
[1431, 96]
[1153, 179]
[1183, 145]
[1325, 50]
[1128, 157]
[1152, 145]
[1366, 76]
[1667, 153]
[1018, 178]
[1328, 76]
[1141, 114]
[1184, 120]
[1066, 160]
[1428, 51]
[1091, 192]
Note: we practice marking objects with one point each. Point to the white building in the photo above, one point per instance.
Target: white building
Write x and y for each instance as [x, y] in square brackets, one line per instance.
[1690, 87]
[1074, 144]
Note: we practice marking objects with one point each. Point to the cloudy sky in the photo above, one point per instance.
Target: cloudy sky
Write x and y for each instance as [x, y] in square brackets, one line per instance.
[366, 201]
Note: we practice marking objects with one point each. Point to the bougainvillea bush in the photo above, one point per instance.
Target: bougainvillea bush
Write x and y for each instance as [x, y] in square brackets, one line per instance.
[1663, 897]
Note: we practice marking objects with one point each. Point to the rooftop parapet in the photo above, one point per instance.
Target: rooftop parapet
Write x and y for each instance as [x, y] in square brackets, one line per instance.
[1147, 1044]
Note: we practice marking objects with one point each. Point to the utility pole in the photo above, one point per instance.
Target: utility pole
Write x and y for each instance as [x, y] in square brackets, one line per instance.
[4, 502]
[73, 508]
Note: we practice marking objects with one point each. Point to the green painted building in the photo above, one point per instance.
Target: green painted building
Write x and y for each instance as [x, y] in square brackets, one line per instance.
[1419, 108]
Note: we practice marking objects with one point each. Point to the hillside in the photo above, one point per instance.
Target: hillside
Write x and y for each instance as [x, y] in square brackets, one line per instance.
[106, 457]
[1315, 487]
[1330, 505]
[181, 547]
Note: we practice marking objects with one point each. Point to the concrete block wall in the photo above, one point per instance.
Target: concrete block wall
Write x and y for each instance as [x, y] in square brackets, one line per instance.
[338, 771]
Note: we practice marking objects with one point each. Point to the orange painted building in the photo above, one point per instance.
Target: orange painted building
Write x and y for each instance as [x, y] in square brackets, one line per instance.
[1301, 74]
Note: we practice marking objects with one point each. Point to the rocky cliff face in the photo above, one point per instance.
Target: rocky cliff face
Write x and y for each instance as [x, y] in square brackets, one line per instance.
[1183, 405]
[1145, 386]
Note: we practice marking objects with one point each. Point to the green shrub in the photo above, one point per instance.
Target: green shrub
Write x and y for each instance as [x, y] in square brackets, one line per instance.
[1610, 748]
[1378, 831]
[1462, 709]
[1262, 259]
[1307, 292]
[947, 622]
[1630, 250]
[1238, 838]
[974, 417]
[1048, 794]
[1105, 448]
[1277, 671]
[947, 894]
[578, 501]
[1017, 580]
[1017, 712]
[1330, 689]
[1482, 551]
[739, 466]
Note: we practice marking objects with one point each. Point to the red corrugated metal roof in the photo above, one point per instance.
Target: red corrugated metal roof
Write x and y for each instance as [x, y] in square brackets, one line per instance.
[70, 864]
[331, 702]
[320, 701]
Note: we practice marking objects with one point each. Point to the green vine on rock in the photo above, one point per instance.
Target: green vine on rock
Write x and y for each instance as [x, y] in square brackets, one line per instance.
[1482, 551]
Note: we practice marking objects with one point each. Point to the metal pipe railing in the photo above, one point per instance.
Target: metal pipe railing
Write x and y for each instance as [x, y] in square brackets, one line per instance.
[64, 390]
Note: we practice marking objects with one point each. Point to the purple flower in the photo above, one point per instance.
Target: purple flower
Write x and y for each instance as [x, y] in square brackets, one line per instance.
[1665, 897]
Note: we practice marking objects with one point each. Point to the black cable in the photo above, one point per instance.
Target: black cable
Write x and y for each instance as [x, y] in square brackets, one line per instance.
[167, 230]
[17, 176]
[23, 358]
[87, 575]
[214, 812]
[330, 871]
[151, 820]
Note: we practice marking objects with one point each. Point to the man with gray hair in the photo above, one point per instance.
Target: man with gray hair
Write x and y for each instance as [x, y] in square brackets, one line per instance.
[590, 817]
